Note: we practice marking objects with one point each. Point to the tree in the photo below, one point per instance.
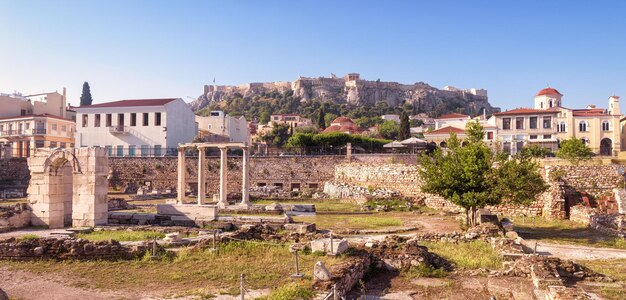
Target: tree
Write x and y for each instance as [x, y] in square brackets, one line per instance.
[85, 97]
[389, 129]
[278, 136]
[473, 176]
[535, 151]
[405, 127]
[264, 118]
[573, 150]
[321, 115]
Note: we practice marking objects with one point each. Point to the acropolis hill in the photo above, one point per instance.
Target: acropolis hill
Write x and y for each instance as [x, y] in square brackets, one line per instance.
[352, 89]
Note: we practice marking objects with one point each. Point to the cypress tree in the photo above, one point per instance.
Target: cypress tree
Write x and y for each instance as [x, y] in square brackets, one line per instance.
[405, 127]
[321, 122]
[85, 97]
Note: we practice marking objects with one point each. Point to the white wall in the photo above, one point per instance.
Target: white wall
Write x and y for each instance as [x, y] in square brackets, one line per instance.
[181, 123]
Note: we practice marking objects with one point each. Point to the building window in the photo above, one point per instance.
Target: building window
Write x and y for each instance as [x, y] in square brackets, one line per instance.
[53, 144]
[506, 123]
[533, 123]
[562, 127]
[96, 120]
[120, 150]
[131, 150]
[109, 150]
[145, 150]
[547, 122]
[606, 126]
[133, 119]
[490, 135]
[157, 150]
[108, 120]
[85, 120]
[27, 126]
[54, 126]
[519, 123]
[547, 136]
[532, 137]
[157, 119]
[39, 144]
[63, 128]
[62, 145]
[145, 119]
[582, 126]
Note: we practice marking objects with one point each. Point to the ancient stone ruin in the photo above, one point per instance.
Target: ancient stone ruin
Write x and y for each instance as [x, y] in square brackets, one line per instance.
[68, 187]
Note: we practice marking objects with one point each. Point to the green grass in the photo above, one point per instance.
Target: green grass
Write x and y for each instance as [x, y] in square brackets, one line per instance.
[265, 266]
[354, 222]
[290, 291]
[120, 235]
[320, 205]
[564, 232]
[614, 268]
[471, 255]
[424, 271]
[28, 237]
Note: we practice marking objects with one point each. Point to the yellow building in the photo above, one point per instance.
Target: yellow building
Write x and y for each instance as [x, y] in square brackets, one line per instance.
[21, 134]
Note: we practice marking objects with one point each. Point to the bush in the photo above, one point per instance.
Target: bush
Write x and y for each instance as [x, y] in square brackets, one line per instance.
[335, 139]
[290, 291]
[574, 150]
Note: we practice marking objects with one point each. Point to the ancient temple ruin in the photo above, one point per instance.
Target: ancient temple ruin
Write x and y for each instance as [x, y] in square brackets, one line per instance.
[68, 187]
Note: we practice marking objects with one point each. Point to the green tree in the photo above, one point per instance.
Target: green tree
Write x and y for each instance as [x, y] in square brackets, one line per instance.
[389, 129]
[321, 115]
[278, 136]
[473, 176]
[405, 127]
[574, 150]
[264, 118]
[535, 151]
[85, 97]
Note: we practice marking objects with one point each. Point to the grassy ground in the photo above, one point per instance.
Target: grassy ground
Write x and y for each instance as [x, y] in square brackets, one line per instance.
[616, 269]
[472, 255]
[320, 205]
[265, 266]
[121, 235]
[353, 222]
[564, 232]
[13, 201]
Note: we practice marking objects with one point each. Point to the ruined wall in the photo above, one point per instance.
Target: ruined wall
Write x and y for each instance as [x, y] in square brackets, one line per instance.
[14, 216]
[66, 248]
[594, 180]
[14, 177]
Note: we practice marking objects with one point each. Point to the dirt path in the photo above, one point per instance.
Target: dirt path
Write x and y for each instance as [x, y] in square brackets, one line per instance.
[576, 252]
[25, 285]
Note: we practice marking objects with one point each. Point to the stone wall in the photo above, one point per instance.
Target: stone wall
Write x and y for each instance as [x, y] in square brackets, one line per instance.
[14, 216]
[613, 224]
[65, 248]
[14, 176]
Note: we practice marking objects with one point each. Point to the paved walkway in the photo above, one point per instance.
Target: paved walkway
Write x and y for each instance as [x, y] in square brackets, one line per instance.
[576, 252]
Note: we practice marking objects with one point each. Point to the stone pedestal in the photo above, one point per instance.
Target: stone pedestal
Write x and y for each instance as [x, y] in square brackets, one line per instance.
[245, 180]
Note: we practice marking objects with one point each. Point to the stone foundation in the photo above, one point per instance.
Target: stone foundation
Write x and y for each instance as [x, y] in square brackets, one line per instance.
[15, 216]
[67, 248]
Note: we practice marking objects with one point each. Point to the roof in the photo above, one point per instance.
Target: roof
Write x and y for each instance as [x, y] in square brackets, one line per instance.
[548, 91]
[591, 112]
[526, 111]
[342, 120]
[132, 103]
[453, 116]
[447, 130]
[37, 116]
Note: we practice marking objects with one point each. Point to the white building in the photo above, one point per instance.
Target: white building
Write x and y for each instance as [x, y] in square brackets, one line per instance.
[13, 105]
[454, 120]
[395, 118]
[232, 129]
[136, 127]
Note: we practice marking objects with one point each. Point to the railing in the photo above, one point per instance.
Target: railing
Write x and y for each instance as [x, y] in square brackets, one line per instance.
[140, 151]
[118, 129]
[39, 131]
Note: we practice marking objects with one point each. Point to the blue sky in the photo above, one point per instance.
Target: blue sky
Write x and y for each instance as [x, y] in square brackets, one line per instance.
[146, 49]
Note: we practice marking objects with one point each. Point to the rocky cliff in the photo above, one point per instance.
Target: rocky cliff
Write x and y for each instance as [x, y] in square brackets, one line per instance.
[353, 90]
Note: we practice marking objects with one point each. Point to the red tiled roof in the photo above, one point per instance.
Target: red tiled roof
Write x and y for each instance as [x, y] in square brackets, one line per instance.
[453, 116]
[342, 120]
[446, 130]
[591, 112]
[548, 91]
[36, 116]
[131, 103]
[525, 111]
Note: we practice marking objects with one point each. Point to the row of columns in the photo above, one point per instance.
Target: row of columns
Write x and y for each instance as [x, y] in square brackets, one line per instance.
[202, 164]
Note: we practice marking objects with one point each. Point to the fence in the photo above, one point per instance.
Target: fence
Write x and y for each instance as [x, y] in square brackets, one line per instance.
[143, 151]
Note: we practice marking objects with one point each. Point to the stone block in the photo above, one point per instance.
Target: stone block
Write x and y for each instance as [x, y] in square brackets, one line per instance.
[192, 212]
[324, 245]
[300, 227]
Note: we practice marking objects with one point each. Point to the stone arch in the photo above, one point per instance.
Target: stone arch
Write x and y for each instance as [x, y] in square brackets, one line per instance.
[606, 146]
[68, 187]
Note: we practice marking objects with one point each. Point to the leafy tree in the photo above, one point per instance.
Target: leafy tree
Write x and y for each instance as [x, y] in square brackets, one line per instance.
[535, 151]
[389, 129]
[473, 176]
[329, 118]
[264, 118]
[278, 136]
[573, 150]
[85, 97]
[405, 127]
[321, 121]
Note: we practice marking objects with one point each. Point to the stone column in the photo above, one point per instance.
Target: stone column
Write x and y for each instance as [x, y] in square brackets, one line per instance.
[245, 178]
[182, 170]
[223, 177]
[89, 203]
[201, 176]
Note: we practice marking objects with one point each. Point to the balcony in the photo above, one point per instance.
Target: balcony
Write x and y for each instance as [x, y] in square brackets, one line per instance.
[39, 131]
[118, 129]
[13, 133]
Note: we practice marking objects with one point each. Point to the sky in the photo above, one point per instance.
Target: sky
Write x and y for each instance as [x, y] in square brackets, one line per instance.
[153, 49]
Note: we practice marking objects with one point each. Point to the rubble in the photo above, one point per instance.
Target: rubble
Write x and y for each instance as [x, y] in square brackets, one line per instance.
[66, 248]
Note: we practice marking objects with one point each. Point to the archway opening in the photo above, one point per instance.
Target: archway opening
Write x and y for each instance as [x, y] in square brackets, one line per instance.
[606, 147]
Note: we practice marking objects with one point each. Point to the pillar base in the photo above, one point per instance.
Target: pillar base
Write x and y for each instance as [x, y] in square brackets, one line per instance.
[222, 204]
[245, 205]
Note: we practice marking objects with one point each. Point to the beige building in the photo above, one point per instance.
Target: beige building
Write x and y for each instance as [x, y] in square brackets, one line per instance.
[549, 122]
[224, 127]
[38, 104]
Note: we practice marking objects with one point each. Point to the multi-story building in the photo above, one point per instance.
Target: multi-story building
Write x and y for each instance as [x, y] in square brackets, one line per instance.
[455, 123]
[232, 129]
[147, 127]
[24, 133]
[34, 121]
[291, 120]
[549, 122]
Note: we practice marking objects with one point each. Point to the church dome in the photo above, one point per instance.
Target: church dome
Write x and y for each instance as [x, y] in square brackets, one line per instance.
[548, 91]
